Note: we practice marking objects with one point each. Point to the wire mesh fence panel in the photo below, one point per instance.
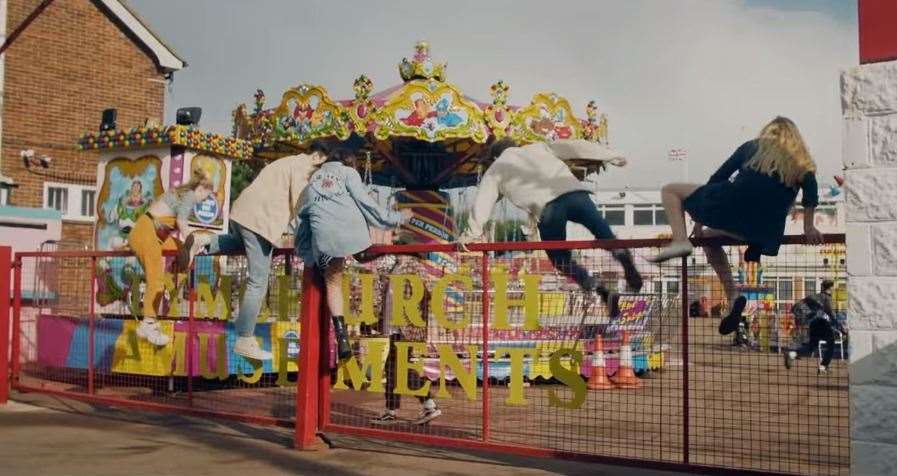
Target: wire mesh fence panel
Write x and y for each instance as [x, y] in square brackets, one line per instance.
[80, 333]
[748, 409]
[527, 375]
[557, 350]
[418, 346]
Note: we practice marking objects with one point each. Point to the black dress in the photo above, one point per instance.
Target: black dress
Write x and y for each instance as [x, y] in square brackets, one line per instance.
[751, 204]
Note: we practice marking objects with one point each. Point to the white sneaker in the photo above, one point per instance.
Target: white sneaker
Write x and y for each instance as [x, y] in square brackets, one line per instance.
[822, 370]
[790, 357]
[428, 412]
[249, 347]
[152, 333]
[675, 249]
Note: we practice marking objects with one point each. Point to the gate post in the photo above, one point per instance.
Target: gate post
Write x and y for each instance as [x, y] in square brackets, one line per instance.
[308, 381]
[5, 271]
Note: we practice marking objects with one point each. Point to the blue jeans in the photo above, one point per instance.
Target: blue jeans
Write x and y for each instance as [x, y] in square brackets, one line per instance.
[577, 207]
[258, 254]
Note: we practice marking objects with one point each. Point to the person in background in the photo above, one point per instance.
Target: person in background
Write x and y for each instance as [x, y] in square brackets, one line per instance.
[429, 410]
[334, 214]
[258, 219]
[748, 199]
[817, 312]
[536, 179]
[152, 234]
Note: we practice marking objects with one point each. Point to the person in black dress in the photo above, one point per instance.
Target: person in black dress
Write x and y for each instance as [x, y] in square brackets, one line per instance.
[748, 198]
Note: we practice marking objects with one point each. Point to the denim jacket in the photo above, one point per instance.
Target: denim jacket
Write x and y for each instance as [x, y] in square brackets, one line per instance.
[334, 212]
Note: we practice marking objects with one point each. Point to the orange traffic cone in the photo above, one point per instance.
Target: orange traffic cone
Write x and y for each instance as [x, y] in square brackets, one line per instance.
[625, 377]
[598, 379]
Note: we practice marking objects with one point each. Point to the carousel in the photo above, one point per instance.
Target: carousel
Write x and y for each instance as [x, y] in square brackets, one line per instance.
[421, 143]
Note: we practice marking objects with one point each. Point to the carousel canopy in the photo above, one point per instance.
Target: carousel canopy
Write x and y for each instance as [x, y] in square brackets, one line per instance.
[424, 133]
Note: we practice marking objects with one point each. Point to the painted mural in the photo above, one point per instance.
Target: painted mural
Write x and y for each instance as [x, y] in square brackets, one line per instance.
[127, 190]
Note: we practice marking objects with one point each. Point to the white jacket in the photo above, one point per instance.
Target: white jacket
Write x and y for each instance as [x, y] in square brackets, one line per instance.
[268, 204]
[530, 177]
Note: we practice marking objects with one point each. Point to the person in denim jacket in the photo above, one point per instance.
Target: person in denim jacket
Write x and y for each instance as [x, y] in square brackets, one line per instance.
[334, 213]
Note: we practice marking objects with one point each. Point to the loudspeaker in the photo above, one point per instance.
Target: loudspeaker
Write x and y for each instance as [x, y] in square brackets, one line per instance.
[108, 121]
[188, 116]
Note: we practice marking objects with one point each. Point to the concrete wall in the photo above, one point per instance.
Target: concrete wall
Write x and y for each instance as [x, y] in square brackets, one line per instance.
[869, 104]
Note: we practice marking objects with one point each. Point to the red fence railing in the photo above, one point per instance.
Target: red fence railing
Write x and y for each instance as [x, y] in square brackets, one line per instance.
[514, 356]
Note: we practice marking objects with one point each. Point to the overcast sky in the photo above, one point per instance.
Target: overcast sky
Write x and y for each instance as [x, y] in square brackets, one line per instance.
[703, 75]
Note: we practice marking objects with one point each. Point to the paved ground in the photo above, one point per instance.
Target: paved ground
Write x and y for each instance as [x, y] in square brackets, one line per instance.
[49, 436]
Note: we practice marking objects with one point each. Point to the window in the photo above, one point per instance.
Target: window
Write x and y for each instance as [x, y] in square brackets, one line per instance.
[672, 287]
[643, 215]
[88, 199]
[75, 202]
[783, 288]
[4, 195]
[58, 198]
[649, 215]
[810, 286]
[613, 214]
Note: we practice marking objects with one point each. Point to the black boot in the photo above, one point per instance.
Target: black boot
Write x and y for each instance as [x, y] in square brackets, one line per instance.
[343, 349]
[633, 277]
[611, 300]
[729, 323]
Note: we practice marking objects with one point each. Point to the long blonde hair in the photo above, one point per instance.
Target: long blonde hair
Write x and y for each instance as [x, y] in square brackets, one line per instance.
[782, 153]
[198, 179]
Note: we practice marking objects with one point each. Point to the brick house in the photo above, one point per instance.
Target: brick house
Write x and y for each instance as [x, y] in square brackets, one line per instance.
[76, 59]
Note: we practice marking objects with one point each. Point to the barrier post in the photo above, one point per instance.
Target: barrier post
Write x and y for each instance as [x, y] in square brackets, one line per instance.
[685, 402]
[309, 361]
[16, 320]
[5, 269]
[324, 368]
[91, 327]
[485, 283]
[191, 330]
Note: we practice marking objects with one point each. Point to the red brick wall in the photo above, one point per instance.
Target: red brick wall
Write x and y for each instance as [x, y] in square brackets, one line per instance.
[69, 65]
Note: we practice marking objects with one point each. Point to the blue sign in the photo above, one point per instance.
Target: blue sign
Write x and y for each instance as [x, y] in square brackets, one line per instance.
[206, 211]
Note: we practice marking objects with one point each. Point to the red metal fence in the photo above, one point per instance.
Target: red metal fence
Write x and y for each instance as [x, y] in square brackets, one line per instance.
[515, 358]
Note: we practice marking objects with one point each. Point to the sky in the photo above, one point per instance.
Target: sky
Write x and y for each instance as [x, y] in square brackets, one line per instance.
[699, 75]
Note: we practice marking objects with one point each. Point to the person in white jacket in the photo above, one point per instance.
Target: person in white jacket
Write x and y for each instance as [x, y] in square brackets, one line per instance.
[536, 179]
[258, 219]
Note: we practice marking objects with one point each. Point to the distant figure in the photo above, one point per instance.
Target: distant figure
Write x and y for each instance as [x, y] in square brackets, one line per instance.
[696, 310]
[751, 206]
[816, 311]
[429, 410]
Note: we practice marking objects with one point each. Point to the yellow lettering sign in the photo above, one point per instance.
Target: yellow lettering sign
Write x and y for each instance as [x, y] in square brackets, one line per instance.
[467, 377]
[403, 366]
[406, 306]
[365, 313]
[569, 377]
[530, 301]
[214, 305]
[517, 354]
[437, 301]
[371, 361]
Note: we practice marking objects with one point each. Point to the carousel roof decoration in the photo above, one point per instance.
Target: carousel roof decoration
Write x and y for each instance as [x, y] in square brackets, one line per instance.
[154, 136]
[422, 132]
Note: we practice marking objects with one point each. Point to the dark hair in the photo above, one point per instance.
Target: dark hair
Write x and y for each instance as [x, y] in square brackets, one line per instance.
[827, 284]
[318, 146]
[341, 155]
[499, 146]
